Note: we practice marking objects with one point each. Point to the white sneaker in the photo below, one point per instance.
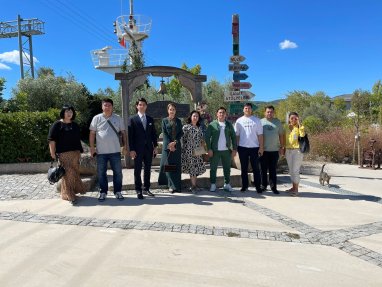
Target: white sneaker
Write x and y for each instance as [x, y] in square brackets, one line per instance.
[213, 187]
[228, 187]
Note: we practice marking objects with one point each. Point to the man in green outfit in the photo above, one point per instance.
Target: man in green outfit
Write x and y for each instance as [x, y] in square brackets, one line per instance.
[221, 144]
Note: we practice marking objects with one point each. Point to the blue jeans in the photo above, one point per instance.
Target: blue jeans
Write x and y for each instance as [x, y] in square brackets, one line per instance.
[115, 164]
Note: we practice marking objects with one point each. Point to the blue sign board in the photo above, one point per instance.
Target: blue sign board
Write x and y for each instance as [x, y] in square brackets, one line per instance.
[239, 76]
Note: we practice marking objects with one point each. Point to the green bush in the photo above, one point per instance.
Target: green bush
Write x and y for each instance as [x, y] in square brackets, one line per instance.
[23, 136]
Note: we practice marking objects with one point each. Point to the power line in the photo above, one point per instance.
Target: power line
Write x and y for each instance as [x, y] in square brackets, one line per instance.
[78, 21]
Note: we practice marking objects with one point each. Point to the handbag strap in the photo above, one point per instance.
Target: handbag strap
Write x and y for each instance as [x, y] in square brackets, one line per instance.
[113, 128]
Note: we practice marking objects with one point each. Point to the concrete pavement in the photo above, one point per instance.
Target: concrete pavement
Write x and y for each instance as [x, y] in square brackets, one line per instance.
[328, 236]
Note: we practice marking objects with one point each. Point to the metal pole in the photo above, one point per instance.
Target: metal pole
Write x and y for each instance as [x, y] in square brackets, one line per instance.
[20, 46]
[131, 7]
[31, 56]
[359, 147]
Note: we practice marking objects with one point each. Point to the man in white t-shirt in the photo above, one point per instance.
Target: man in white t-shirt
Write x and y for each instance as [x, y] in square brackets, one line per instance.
[249, 133]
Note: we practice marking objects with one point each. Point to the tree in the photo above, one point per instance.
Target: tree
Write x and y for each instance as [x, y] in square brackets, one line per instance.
[360, 103]
[213, 93]
[45, 72]
[339, 104]
[376, 103]
[2, 88]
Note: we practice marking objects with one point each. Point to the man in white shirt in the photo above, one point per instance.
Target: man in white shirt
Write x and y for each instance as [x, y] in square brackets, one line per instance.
[249, 133]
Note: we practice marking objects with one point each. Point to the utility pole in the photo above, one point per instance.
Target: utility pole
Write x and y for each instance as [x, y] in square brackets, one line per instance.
[23, 29]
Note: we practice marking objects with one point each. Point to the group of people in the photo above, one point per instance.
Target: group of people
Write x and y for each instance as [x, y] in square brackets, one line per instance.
[258, 142]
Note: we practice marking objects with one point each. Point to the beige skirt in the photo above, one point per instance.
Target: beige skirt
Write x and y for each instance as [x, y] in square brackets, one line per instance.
[71, 182]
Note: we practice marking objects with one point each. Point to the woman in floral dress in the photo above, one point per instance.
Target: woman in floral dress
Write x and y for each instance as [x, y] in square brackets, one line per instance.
[192, 138]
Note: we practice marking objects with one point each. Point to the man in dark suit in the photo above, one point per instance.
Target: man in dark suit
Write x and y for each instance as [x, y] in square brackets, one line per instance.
[143, 144]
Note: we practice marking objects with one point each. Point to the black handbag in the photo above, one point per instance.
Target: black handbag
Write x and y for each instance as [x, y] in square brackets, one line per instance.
[304, 144]
[169, 167]
[55, 173]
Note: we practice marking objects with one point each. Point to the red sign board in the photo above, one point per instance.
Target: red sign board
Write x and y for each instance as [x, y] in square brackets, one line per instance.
[241, 85]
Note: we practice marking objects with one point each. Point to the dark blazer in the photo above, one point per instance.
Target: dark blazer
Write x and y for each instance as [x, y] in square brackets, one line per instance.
[139, 138]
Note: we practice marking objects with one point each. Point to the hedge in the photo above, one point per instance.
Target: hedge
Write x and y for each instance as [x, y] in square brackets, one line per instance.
[23, 136]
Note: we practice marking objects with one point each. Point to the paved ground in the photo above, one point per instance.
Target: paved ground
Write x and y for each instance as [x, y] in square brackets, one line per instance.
[329, 236]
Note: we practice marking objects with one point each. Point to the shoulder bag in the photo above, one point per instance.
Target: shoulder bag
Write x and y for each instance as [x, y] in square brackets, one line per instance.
[303, 143]
[119, 134]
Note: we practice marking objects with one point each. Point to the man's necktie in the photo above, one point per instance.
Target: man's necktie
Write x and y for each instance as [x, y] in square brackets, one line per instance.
[144, 122]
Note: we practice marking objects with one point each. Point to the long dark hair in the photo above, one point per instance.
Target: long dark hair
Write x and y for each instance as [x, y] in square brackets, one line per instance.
[188, 120]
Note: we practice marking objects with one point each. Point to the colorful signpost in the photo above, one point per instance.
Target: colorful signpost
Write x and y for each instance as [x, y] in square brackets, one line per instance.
[236, 96]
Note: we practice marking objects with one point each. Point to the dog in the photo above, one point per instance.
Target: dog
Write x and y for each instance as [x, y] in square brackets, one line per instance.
[324, 176]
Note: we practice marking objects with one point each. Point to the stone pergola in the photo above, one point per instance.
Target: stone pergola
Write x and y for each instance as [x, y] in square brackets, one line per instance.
[132, 80]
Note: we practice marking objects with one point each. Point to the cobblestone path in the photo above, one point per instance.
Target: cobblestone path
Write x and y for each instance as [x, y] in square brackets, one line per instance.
[35, 187]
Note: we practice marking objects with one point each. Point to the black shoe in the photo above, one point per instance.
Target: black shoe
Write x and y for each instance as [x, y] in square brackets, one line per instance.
[139, 195]
[259, 190]
[149, 193]
[275, 191]
[243, 189]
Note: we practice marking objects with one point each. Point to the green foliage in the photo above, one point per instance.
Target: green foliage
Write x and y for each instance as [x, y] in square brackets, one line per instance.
[23, 136]
[360, 103]
[45, 72]
[313, 124]
[339, 104]
[213, 93]
[2, 87]
[376, 103]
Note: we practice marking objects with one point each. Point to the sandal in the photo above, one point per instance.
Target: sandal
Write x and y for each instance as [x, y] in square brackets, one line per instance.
[290, 190]
[294, 193]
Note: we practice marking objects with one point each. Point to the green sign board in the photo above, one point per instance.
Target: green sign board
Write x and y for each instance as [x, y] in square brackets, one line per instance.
[237, 108]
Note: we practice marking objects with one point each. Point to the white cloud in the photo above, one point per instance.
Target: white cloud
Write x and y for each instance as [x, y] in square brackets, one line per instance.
[286, 44]
[13, 57]
[4, 67]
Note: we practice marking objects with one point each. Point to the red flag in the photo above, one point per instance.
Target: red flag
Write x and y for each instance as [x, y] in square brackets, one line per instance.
[122, 42]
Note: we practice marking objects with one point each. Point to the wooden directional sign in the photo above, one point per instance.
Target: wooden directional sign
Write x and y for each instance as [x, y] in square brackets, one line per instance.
[239, 76]
[241, 85]
[236, 59]
[236, 96]
[247, 94]
[238, 67]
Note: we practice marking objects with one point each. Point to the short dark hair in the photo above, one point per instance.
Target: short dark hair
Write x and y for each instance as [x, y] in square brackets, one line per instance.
[269, 107]
[66, 108]
[221, 108]
[188, 120]
[140, 100]
[248, 105]
[108, 100]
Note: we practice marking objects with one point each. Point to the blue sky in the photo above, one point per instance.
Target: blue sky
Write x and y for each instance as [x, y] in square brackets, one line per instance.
[334, 46]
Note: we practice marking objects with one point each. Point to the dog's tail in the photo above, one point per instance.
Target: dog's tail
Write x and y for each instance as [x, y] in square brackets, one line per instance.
[322, 168]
